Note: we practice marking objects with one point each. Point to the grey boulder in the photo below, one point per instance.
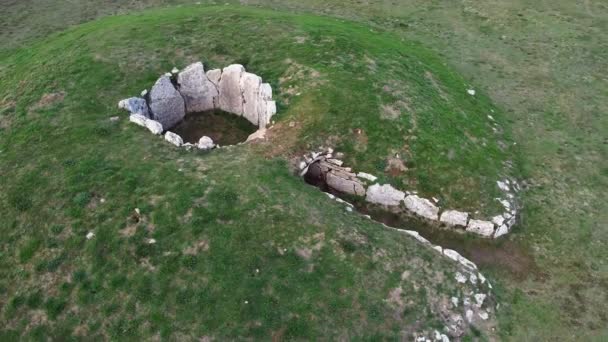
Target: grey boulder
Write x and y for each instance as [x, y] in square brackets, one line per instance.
[196, 89]
[231, 97]
[166, 103]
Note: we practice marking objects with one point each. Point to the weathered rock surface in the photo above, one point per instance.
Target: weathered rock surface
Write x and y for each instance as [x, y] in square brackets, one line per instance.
[485, 228]
[135, 105]
[421, 207]
[367, 176]
[154, 126]
[205, 143]
[138, 119]
[345, 182]
[384, 194]
[502, 230]
[260, 134]
[250, 87]
[231, 98]
[166, 103]
[454, 218]
[198, 92]
[174, 139]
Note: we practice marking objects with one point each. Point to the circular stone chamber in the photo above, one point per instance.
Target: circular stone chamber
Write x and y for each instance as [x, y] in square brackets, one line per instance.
[197, 108]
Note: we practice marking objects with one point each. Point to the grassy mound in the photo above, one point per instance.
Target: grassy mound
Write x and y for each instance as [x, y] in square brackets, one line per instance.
[242, 248]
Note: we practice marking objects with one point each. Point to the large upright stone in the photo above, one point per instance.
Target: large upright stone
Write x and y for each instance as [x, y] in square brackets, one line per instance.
[214, 76]
[250, 87]
[231, 98]
[345, 182]
[265, 106]
[196, 89]
[166, 103]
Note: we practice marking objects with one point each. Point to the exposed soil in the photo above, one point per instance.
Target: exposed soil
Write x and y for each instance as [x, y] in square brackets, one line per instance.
[223, 128]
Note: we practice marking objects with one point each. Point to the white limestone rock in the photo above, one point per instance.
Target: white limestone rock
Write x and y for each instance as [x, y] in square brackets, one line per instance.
[421, 207]
[231, 98]
[502, 230]
[214, 76]
[484, 228]
[250, 88]
[205, 143]
[166, 103]
[135, 105]
[454, 218]
[344, 183]
[384, 194]
[174, 139]
[138, 119]
[498, 220]
[154, 126]
[260, 134]
[367, 176]
[198, 92]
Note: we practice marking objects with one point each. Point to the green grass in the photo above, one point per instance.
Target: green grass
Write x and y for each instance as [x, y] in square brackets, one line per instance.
[542, 62]
[229, 225]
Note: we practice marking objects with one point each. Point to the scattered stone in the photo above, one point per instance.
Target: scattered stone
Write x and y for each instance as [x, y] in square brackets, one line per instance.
[455, 301]
[205, 143]
[469, 315]
[484, 228]
[484, 315]
[471, 92]
[479, 298]
[367, 176]
[90, 235]
[166, 103]
[384, 194]
[154, 126]
[135, 105]
[151, 241]
[138, 119]
[175, 70]
[336, 162]
[454, 218]
[144, 93]
[198, 91]
[114, 118]
[422, 207]
[503, 186]
[460, 278]
[174, 139]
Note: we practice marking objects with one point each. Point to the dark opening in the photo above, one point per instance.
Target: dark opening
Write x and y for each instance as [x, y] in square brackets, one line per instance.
[316, 177]
[222, 127]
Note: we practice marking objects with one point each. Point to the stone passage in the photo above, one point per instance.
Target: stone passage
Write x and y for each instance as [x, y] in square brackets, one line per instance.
[193, 90]
[325, 170]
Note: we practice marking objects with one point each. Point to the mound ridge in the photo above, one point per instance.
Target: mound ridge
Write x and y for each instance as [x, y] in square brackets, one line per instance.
[241, 246]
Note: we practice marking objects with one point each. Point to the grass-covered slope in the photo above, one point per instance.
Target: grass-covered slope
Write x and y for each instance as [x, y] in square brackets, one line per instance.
[243, 248]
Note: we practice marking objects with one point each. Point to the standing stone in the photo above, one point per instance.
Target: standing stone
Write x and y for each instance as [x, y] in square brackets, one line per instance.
[384, 194]
[214, 76]
[166, 103]
[484, 228]
[250, 87]
[135, 105]
[198, 92]
[421, 207]
[263, 106]
[454, 218]
[231, 98]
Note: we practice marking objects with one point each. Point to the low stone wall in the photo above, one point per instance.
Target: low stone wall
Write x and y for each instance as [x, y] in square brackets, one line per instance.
[231, 89]
[338, 177]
